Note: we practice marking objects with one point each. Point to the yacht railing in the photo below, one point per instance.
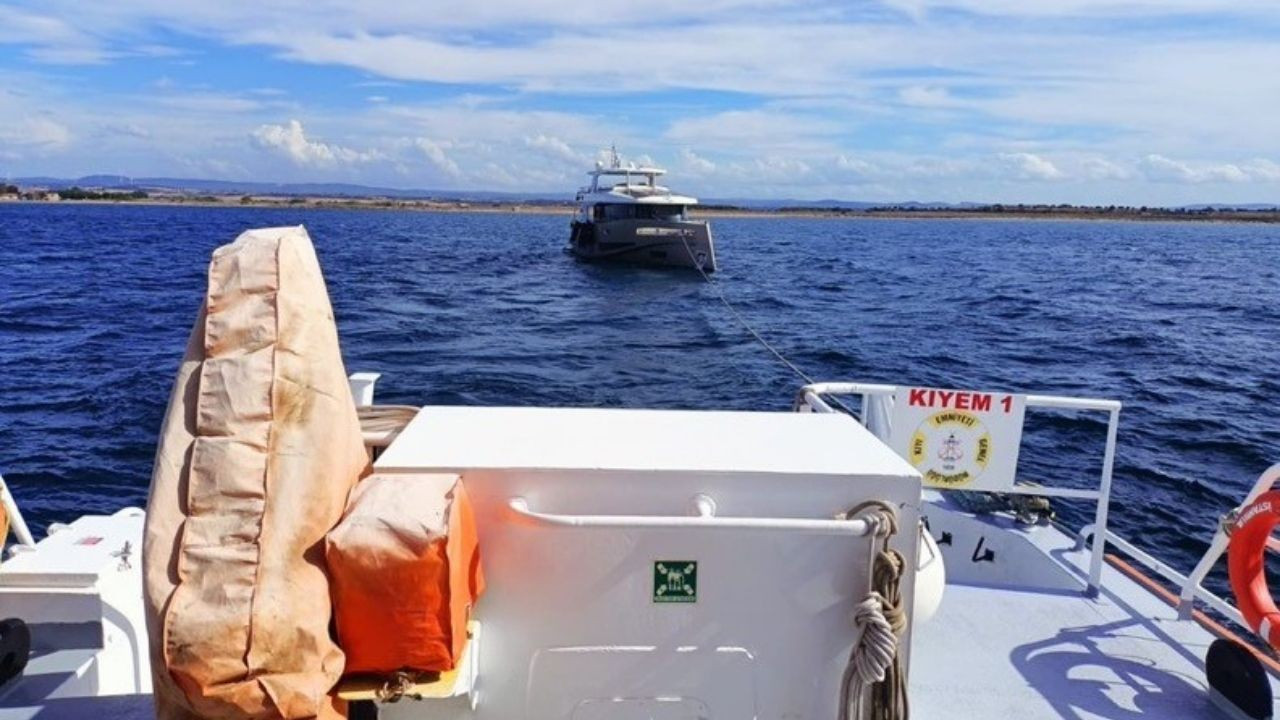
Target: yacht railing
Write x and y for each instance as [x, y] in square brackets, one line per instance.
[874, 414]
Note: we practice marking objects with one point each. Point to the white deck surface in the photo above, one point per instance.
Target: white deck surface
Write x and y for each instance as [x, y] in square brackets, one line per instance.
[1002, 653]
[650, 440]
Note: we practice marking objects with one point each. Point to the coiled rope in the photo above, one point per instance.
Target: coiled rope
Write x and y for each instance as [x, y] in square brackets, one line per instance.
[874, 673]
[880, 619]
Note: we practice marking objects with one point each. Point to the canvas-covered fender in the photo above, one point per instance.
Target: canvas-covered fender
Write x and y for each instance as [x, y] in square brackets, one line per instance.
[258, 452]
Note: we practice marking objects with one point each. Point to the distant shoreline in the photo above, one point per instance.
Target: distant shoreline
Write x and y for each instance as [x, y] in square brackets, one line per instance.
[994, 212]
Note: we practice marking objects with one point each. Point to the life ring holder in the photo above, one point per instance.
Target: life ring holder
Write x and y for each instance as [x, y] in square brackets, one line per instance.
[1250, 534]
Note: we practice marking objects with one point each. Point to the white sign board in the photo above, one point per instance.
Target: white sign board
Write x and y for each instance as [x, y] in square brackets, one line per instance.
[959, 439]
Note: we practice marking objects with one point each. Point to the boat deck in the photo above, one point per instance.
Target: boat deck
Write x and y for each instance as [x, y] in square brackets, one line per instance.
[1000, 652]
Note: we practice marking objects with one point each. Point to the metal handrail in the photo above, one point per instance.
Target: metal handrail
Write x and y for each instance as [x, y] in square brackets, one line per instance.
[19, 526]
[809, 399]
[1192, 586]
[1088, 533]
[705, 519]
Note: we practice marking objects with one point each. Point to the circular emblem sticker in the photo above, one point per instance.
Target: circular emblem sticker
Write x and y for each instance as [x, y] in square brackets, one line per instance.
[950, 448]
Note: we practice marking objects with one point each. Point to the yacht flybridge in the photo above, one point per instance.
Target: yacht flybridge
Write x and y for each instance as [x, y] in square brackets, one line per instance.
[601, 564]
[625, 215]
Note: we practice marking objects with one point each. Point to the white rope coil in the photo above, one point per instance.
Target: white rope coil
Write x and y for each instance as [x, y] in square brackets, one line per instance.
[878, 645]
[874, 671]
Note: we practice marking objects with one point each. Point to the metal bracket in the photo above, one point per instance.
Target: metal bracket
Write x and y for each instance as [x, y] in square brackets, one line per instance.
[980, 555]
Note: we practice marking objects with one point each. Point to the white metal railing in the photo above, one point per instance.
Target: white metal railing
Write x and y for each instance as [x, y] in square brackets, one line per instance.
[704, 517]
[9, 506]
[1192, 586]
[1164, 570]
[874, 413]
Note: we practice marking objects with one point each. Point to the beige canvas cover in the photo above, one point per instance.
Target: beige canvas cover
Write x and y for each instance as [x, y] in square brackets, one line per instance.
[259, 450]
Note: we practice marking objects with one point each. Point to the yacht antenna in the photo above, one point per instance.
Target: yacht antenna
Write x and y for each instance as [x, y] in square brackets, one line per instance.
[613, 155]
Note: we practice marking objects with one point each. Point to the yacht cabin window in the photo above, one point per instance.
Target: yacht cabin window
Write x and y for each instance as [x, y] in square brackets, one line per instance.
[608, 212]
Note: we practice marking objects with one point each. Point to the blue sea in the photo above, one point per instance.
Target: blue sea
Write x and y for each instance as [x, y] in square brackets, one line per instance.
[1180, 322]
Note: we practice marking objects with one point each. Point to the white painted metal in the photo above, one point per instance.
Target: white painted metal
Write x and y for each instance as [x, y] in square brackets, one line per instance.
[362, 384]
[644, 440]
[572, 630]
[573, 508]
[810, 398]
[645, 192]
[999, 652]
[1164, 570]
[79, 591]
[19, 526]
[1104, 490]
[701, 521]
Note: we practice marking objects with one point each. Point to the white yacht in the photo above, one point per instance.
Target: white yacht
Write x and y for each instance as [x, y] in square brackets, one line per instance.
[625, 215]
[671, 564]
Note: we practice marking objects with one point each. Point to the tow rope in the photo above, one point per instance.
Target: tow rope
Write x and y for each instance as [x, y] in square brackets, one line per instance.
[738, 316]
[880, 619]
[715, 287]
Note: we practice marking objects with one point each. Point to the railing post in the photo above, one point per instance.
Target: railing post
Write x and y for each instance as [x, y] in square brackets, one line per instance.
[1104, 502]
[9, 506]
[362, 384]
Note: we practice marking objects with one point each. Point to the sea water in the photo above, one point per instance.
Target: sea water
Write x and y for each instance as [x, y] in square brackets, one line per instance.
[1179, 321]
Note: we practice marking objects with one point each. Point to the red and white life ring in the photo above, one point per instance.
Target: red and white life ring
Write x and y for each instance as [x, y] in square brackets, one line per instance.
[1246, 565]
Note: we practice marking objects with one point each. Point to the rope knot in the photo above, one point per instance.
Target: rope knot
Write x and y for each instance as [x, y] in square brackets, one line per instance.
[878, 644]
[880, 517]
[395, 687]
[874, 672]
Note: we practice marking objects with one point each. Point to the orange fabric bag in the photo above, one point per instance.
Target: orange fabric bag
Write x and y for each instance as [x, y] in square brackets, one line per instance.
[405, 569]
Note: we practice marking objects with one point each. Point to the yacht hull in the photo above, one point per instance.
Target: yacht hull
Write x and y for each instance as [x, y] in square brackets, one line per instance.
[645, 242]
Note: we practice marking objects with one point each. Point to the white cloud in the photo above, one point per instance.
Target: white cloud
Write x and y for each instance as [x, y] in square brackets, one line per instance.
[290, 141]
[1029, 166]
[556, 149]
[128, 129]
[1262, 169]
[36, 133]
[948, 96]
[436, 155]
[695, 164]
[855, 166]
[1083, 8]
[207, 102]
[1096, 168]
[758, 130]
[50, 39]
[1162, 169]
[929, 96]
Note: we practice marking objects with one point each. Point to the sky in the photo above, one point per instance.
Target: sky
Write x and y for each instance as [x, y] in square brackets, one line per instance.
[1132, 102]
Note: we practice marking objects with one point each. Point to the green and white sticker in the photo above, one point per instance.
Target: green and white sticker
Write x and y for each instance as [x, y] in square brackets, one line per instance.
[675, 581]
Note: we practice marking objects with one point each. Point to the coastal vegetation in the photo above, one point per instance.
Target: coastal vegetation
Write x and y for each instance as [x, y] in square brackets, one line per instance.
[77, 193]
[1061, 211]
